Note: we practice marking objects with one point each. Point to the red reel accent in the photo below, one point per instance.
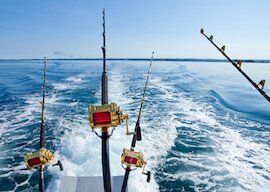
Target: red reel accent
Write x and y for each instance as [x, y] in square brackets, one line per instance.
[102, 118]
[35, 161]
[130, 160]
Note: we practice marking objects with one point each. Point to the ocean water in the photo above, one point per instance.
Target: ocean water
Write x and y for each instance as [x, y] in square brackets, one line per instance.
[204, 128]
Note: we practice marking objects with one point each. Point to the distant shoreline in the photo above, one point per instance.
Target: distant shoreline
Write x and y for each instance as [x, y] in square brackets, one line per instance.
[148, 59]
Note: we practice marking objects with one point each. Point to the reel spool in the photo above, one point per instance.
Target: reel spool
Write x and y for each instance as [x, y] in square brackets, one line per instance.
[40, 158]
[106, 116]
[134, 159]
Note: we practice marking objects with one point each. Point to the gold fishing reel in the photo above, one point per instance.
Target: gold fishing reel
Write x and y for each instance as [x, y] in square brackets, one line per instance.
[40, 158]
[106, 116]
[134, 159]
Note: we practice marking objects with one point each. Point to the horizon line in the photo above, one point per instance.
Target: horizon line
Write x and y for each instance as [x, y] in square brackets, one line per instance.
[155, 59]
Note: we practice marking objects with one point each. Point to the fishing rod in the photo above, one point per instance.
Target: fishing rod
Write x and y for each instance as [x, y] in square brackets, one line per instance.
[130, 158]
[43, 156]
[105, 130]
[109, 115]
[105, 116]
[238, 67]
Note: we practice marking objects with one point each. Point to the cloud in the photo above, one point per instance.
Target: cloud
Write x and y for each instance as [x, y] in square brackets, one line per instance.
[62, 53]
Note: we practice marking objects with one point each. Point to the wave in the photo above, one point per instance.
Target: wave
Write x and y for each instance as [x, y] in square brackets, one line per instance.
[193, 139]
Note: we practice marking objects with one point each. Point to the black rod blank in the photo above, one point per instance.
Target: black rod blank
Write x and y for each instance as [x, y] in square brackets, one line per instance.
[42, 129]
[105, 136]
[104, 75]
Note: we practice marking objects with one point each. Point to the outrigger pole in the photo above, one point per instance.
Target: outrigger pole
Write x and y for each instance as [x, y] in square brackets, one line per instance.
[238, 67]
[43, 156]
[105, 130]
[137, 136]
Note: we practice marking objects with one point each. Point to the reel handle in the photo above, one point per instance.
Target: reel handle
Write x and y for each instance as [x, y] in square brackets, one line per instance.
[60, 165]
[148, 176]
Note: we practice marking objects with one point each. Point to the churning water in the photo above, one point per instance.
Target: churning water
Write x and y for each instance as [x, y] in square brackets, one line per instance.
[204, 127]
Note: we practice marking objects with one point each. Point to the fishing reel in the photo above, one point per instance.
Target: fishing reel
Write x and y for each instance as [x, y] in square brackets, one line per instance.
[106, 116]
[41, 158]
[134, 159]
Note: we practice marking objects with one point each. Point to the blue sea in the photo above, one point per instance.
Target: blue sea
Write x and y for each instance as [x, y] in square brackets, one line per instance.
[204, 127]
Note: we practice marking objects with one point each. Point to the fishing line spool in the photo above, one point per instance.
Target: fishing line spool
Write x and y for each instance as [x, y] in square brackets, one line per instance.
[40, 158]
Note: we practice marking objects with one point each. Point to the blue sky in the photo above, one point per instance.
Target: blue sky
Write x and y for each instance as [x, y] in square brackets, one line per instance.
[72, 29]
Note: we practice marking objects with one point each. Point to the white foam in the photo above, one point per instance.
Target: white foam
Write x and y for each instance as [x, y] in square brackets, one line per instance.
[76, 79]
[80, 149]
[62, 86]
[71, 82]
[165, 115]
[232, 150]
[15, 127]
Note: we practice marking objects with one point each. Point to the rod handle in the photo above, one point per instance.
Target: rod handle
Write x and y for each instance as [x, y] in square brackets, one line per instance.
[139, 133]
